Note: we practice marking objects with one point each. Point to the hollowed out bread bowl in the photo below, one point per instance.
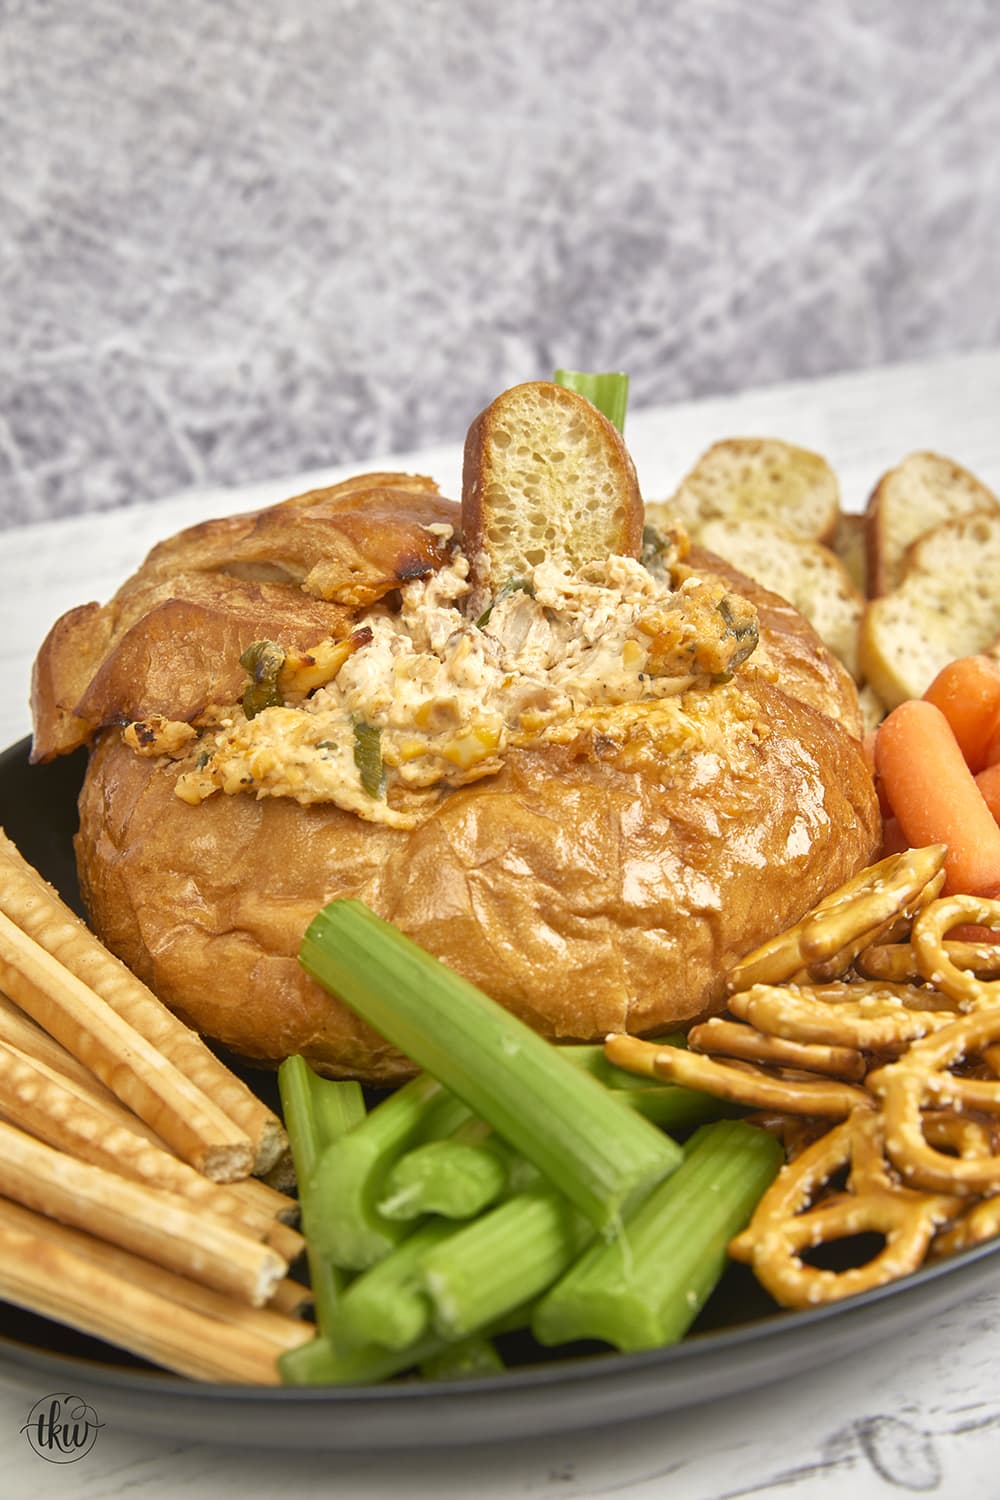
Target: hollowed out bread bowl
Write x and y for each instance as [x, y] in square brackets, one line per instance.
[601, 884]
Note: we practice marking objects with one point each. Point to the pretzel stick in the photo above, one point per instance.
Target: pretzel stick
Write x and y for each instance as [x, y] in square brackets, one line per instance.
[268, 1199]
[261, 1204]
[291, 1298]
[866, 1015]
[898, 962]
[844, 922]
[130, 1066]
[736, 1039]
[727, 1081]
[285, 1240]
[266, 1322]
[36, 1099]
[20, 1031]
[85, 1286]
[33, 905]
[157, 1225]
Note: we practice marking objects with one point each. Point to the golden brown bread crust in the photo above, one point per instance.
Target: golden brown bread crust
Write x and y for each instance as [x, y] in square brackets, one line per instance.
[170, 639]
[601, 885]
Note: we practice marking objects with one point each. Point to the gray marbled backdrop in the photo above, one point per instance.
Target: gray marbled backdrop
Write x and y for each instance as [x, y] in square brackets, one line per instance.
[240, 240]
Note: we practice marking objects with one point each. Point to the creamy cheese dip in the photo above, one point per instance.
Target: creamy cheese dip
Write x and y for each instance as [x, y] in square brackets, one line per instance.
[432, 698]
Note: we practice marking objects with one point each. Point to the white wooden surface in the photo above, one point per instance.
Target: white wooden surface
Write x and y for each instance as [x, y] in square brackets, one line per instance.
[920, 1414]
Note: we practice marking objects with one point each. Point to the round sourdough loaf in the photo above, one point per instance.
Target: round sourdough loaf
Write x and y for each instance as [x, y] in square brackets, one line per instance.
[601, 884]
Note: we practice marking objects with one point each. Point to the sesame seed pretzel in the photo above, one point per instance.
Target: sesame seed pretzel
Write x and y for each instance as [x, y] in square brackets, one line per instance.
[978, 1223]
[825, 942]
[920, 1078]
[866, 1015]
[742, 1083]
[965, 988]
[735, 1039]
[792, 1217]
[897, 962]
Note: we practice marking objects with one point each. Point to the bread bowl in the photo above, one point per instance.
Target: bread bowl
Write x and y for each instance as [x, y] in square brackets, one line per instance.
[590, 797]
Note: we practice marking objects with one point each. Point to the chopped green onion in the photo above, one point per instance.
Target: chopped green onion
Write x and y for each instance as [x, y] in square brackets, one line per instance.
[604, 1157]
[317, 1112]
[263, 660]
[645, 1288]
[608, 392]
[512, 586]
[368, 757]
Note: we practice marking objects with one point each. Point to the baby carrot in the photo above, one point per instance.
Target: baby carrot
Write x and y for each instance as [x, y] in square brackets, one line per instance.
[992, 754]
[988, 782]
[967, 691]
[935, 798]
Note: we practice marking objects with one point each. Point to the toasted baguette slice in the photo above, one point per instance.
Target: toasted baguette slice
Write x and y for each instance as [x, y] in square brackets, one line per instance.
[805, 573]
[920, 493]
[849, 545]
[873, 710]
[760, 479]
[546, 477]
[947, 605]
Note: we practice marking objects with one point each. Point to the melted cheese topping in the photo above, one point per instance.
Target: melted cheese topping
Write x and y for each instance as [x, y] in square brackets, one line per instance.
[432, 699]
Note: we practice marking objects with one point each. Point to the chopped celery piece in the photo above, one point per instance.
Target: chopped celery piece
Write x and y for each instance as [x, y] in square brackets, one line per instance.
[317, 1112]
[320, 1363]
[465, 1360]
[347, 1182]
[604, 1157]
[455, 1178]
[645, 1288]
[608, 392]
[387, 1305]
[507, 1256]
[592, 1058]
[673, 1107]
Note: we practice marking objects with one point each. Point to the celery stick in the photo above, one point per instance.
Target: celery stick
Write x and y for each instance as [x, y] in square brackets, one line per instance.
[673, 1107]
[592, 1057]
[347, 1182]
[317, 1112]
[320, 1363]
[502, 1259]
[466, 1360]
[603, 1156]
[455, 1178]
[645, 1288]
[608, 392]
[388, 1305]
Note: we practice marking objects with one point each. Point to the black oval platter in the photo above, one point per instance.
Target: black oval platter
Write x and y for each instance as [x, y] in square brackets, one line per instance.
[741, 1340]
